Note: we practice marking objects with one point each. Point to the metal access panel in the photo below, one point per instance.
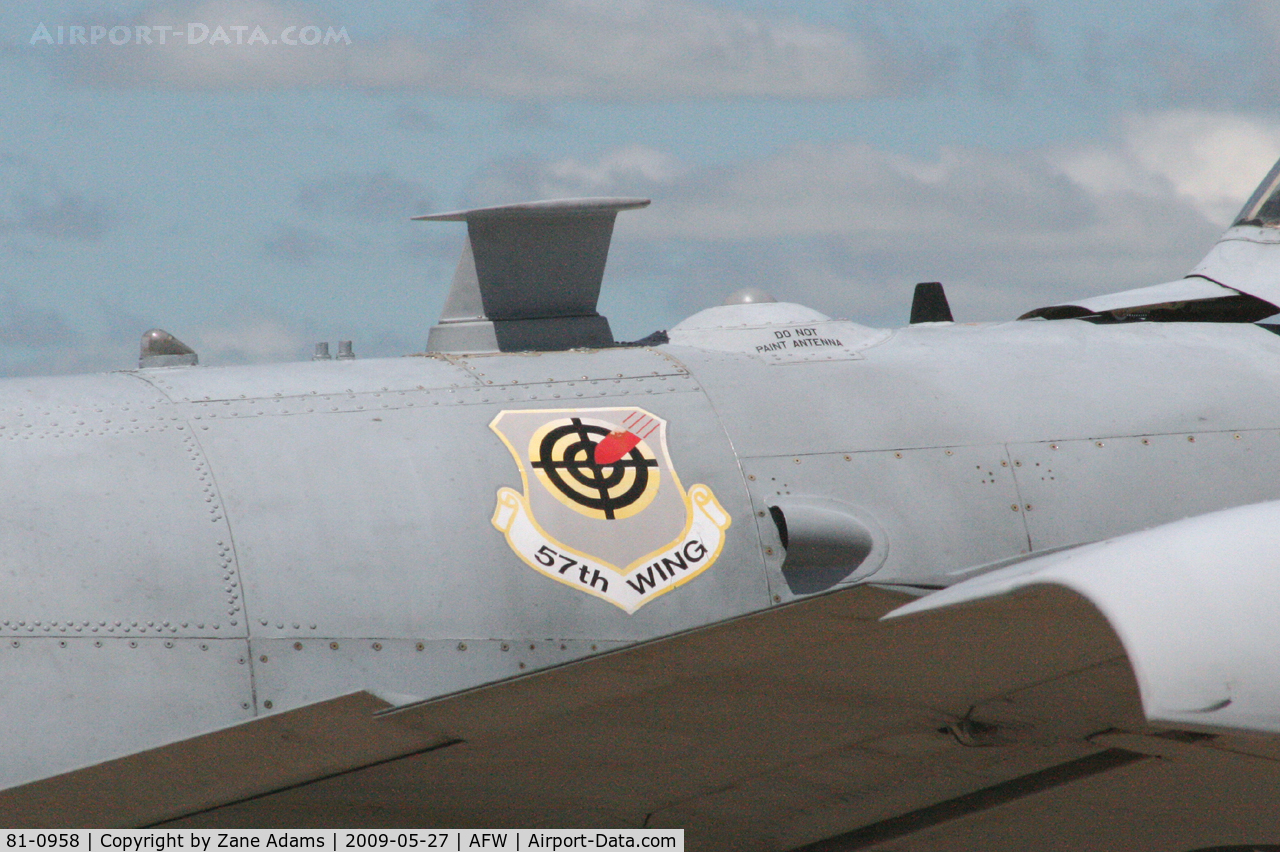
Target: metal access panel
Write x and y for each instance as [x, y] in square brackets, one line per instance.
[377, 522]
[938, 509]
[114, 523]
[575, 371]
[1092, 489]
[146, 693]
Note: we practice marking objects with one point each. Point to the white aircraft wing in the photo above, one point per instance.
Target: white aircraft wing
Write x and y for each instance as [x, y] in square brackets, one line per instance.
[1194, 603]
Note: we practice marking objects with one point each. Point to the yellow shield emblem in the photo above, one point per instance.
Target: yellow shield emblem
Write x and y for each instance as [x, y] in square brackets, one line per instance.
[603, 509]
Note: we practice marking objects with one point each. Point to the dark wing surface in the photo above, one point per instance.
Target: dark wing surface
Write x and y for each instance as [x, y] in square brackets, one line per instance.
[1010, 722]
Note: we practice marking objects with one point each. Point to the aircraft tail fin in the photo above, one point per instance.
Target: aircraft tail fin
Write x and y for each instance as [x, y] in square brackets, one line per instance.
[529, 277]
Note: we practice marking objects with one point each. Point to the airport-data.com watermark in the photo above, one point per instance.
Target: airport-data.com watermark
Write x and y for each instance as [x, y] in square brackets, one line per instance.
[190, 34]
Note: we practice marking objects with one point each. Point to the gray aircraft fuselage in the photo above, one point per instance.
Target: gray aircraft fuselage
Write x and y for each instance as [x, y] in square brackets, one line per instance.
[185, 548]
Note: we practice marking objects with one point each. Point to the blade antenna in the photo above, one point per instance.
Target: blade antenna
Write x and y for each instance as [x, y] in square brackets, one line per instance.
[930, 304]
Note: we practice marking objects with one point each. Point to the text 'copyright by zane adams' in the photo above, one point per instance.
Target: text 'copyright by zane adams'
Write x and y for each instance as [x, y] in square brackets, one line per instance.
[208, 840]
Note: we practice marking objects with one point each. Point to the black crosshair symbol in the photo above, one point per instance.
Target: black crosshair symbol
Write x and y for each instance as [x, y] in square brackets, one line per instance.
[598, 481]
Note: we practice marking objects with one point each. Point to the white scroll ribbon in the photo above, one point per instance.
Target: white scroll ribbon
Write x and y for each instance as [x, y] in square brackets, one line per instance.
[659, 572]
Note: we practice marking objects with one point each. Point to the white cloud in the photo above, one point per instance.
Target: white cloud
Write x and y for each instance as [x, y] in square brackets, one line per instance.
[1211, 160]
[849, 228]
[1214, 159]
[531, 50]
[634, 165]
[216, 45]
[661, 48]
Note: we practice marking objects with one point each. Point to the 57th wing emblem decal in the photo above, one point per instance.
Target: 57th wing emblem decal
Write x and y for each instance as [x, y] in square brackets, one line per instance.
[603, 510]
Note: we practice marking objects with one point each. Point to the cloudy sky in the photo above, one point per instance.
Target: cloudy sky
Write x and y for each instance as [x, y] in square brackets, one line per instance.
[254, 198]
